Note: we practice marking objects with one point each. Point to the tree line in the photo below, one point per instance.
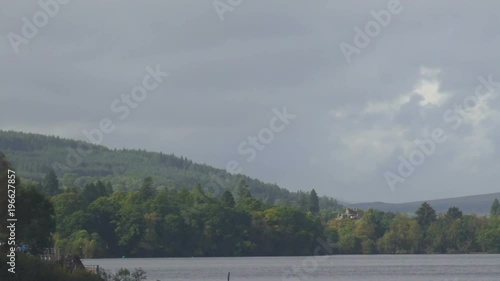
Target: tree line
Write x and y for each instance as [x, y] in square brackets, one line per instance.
[424, 232]
[98, 221]
[151, 222]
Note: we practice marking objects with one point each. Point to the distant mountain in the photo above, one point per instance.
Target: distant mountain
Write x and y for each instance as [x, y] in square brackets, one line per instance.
[33, 155]
[475, 204]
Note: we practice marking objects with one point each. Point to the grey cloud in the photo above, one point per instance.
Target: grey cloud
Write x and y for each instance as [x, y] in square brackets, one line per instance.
[226, 77]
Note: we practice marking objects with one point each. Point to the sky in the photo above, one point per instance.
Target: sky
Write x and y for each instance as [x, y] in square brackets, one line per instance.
[361, 100]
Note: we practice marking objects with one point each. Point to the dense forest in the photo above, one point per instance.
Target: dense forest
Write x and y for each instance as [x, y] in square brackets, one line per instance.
[78, 164]
[157, 220]
[96, 221]
[151, 223]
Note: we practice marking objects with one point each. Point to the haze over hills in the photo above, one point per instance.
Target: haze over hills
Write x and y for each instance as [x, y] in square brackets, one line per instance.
[33, 155]
[475, 204]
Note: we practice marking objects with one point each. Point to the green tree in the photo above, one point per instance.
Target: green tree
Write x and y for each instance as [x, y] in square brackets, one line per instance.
[243, 190]
[495, 208]
[93, 191]
[303, 201]
[150, 245]
[366, 233]
[36, 219]
[489, 236]
[461, 235]
[416, 237]
[228, 199]
[83, 244]
[436, 237]
[367, 230]
[250, 204]
[290, 231]
[102, 215]
[147, 190]
[51, 184]
[109, 189]
[396, 240]
[425, 215]
[453, 213]
[348, 242]
[130, 223]
[245, 199]
[313, 202]
[70, 214]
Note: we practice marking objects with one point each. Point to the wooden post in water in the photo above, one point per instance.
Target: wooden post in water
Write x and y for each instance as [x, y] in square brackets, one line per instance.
[228, 276]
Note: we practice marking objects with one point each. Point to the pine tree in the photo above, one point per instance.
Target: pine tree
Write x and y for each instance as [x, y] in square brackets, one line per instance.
[313, 202]
[109, 188]
[100, 189]
[228, 199]
[453, 213]
[51, 184]
[303, 201]
[495, 208]
[147, 190]
[243, 190]
[425, 215]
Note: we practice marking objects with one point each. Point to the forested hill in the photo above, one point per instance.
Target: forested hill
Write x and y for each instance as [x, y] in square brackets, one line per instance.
[34, 155]
[475, 204]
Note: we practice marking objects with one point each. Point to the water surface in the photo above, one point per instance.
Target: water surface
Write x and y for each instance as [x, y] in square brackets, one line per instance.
[336, 268]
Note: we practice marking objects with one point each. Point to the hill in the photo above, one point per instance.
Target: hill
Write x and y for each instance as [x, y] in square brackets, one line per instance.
[475, 204]
[34, 155]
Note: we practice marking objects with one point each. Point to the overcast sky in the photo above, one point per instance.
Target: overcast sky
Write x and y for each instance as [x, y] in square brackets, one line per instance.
[355, 117]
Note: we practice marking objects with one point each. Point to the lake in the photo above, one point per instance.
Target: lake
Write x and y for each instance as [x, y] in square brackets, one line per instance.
[337, 268]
